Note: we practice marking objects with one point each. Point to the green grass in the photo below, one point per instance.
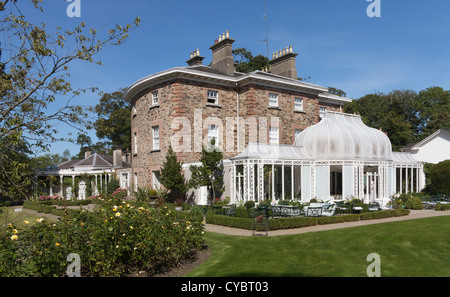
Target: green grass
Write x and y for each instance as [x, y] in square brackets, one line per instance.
[407, 248]
[8, 215]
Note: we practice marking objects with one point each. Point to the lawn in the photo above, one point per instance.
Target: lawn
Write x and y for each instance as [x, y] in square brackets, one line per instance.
[407, 248]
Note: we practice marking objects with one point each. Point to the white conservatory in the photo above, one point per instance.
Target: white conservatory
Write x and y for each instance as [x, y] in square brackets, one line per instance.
[338, 158]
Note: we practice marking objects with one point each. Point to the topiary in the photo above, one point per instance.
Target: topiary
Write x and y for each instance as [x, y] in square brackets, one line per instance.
[249, 204]
[414, 203]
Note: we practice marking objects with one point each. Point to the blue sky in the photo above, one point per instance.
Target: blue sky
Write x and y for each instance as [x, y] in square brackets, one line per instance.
[338, 44]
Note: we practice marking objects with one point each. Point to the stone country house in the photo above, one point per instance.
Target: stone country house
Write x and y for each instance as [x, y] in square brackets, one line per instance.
[187, 106]
[282, 138]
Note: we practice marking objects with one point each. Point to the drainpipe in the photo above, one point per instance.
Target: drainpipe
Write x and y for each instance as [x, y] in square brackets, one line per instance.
[237, 119]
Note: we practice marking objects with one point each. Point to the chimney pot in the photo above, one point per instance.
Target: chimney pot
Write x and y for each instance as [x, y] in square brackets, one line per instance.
[228, 34]
[283, 63]
[222, 54]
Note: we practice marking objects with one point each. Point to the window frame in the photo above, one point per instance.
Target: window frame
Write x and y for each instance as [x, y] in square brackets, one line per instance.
[277, 99]
[154, 97]
[301, 104]
[157, 138]
[215, 98]
[271, 131]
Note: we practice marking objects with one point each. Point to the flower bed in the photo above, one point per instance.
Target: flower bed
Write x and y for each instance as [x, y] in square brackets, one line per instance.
[117, 239]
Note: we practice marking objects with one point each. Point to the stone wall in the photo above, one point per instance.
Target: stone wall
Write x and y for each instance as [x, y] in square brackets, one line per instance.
[183, 115]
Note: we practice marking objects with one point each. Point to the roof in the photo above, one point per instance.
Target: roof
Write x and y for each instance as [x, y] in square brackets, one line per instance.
[207, 73]
[341, 136]
[403, 158]
[416, 146]
[94, 160]
[271, 151]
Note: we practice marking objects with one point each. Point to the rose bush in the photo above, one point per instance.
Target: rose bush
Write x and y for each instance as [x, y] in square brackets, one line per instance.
[119, 238]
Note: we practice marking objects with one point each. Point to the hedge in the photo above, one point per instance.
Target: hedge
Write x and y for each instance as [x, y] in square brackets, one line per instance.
[299, 222]
[440, 206]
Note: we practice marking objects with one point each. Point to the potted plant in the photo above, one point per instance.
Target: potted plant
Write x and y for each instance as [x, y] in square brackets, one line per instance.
[178, 203]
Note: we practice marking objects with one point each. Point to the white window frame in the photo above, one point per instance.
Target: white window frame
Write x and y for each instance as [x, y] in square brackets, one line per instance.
[135, 143]
[135, 181]
[212, 97]
[297, 132]
[156, 184]
[155, 98]
[322, 112]
[273, 100]
[298, 103]
[213, 133]
[155, 137]
[274, 135]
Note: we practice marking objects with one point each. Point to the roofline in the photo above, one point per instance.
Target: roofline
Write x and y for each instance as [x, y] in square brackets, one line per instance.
[255, 76]
[428, 138]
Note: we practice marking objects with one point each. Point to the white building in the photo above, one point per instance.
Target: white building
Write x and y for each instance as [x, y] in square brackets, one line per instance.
[89, 176]
[338, 158]
[433, 149]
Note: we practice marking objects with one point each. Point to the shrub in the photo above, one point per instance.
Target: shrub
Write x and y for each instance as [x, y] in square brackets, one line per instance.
[122, 239]
[440, 206]
[438, 177]
[249, 204]
[414, 203]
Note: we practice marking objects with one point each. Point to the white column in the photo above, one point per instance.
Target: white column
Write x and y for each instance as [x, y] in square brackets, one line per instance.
[401, 180]
[273, 181]
[282, 181]
[61, 190]
[406, 180]
[292, 182]
[233, 183]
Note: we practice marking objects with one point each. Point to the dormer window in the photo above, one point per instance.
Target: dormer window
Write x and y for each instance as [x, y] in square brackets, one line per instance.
[212, 97]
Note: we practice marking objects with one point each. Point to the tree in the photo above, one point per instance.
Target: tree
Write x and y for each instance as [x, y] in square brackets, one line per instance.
[246, 62]
[172, 176]
[114, 122]
[47, 160]
[433, 107]
[335, 91]
[34, 80]
[210, 173]
[439, 183]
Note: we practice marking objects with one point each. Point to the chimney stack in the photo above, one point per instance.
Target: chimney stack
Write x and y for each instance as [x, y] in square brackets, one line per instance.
[87, 152]
[117, 156]
[195, 59]
[222, 56]
[283, 63]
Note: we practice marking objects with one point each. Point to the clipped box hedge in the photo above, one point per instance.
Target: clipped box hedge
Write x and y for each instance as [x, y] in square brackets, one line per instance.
[299, 222]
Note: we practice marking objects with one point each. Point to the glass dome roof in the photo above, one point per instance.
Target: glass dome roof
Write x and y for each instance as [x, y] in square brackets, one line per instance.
[340, 136]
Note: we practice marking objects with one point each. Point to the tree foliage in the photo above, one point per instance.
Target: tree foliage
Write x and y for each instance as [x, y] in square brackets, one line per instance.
[36, 93]
[246, 62]
[210, 172]
[172, 176]
[405, 115]
[114, 122]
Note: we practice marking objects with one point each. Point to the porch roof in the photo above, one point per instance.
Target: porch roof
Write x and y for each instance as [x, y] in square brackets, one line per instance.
[271, 151]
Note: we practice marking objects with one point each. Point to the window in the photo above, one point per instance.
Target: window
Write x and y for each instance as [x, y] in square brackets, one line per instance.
[155, 137]
[298, 104]
[297, 132]
[213, 133]
[155, 98]
[134, 108]
[135, 182]
[135, 142]
[322, 112]
[273, 99]
[155, 179]
[273, 135]
[212, 97]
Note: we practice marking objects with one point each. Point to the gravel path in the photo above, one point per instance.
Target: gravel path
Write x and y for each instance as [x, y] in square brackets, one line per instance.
[414, 214]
